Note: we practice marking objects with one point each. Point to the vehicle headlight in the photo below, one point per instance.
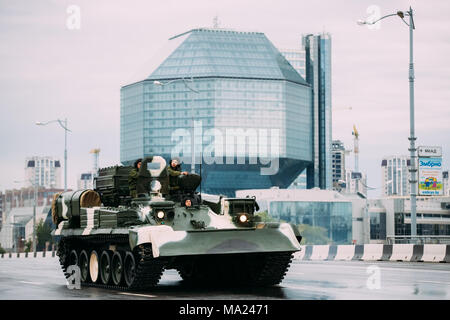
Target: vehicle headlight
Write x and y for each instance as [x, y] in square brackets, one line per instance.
[155, 186]
[160, 214]
[243, 218]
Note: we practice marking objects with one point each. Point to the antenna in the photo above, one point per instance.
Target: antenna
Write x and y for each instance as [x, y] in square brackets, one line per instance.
[356, 147]
[356, 152]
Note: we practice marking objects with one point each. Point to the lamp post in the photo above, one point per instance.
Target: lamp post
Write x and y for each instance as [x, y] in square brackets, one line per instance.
[34, 210]
[412, 138]
[63, 125]
[159, 83]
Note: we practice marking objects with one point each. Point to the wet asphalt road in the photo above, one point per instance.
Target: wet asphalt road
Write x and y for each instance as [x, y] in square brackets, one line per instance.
[42, 278]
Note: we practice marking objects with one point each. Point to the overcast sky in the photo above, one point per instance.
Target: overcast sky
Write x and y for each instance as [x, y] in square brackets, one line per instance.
[48, 71]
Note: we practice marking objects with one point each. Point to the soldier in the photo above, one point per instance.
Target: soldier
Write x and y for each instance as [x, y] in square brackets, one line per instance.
[139, 178]
[174, 171]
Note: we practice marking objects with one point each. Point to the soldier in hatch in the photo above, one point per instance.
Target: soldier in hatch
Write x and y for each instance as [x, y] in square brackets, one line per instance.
[174, 171]
[139, 178]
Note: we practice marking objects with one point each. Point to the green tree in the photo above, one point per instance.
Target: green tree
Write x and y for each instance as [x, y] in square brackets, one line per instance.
[28, 245]
[43, 234]
[312, 234]
[2, 250]
[265, 217]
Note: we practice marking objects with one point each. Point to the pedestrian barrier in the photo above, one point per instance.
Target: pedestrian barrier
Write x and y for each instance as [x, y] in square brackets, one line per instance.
[320, 252]
[300, 254]
[359, 252]
[345, 252]
[447, 254]
[38, 254]
[417, 253]
[402, 252]
[332, 252]
[308, 252]
[372, 252]
[434, 253]
[377, 252]
[387, 252]
[367, 252]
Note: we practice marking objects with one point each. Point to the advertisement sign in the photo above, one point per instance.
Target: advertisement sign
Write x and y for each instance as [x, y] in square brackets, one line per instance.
[430, 176]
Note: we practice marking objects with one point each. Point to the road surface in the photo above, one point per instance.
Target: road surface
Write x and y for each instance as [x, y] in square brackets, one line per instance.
[42, 278]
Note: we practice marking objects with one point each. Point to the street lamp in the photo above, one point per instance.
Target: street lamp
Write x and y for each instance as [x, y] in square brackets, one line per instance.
[159, 83]
[63, 125]
[412, 137]
[34, 184]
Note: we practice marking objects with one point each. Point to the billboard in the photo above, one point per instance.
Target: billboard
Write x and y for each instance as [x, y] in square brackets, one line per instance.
[430, 176]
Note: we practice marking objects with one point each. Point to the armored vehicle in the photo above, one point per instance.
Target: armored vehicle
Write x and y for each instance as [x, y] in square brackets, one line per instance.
[126, 243]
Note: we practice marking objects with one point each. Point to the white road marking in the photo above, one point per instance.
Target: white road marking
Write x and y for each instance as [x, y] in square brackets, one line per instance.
[382, 267]
[435, 282]
[296, 287]
[298, 273]
[137, 294]
[31, 282]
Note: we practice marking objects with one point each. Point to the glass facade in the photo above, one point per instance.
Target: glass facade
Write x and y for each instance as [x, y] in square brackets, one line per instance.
[334, 217]
[244, 101]
[318, 74]
[297, 59]
[132, 119]
[377, 225]
[325, 111]
[423, 229]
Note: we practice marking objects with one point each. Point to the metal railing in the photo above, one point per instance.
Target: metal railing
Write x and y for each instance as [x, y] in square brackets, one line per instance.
[418, 239]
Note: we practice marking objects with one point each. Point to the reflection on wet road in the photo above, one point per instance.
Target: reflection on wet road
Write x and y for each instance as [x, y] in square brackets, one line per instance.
[42, 278]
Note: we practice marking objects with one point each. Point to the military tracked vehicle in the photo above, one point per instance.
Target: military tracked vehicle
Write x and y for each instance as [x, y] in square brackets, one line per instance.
[126, 243]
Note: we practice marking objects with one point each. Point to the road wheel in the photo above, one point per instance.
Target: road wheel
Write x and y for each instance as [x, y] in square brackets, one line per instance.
[129, 268]
[117, 268]
[105, 266]
[93, 266]
[84, 266]
[73, 258]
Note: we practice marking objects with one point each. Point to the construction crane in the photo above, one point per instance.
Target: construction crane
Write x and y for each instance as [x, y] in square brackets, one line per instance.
[356, 147]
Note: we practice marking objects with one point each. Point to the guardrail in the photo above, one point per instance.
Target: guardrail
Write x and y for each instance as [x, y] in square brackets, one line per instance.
[418, 239]
[366, 252]
[376, 252]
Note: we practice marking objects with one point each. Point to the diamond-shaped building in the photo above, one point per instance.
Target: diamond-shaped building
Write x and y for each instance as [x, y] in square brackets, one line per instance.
[247, 108]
